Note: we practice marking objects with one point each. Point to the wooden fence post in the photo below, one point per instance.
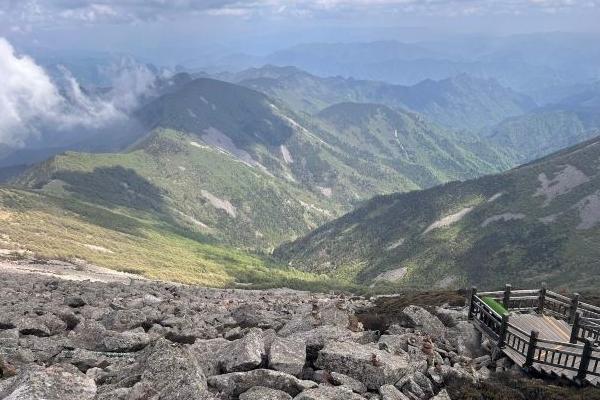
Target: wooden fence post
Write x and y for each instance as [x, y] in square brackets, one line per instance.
[575, 328]
[542, 299]
[585, 361]
[471, 299]
[503, 330]
[573, 309]
[531, 349]
[506, 298]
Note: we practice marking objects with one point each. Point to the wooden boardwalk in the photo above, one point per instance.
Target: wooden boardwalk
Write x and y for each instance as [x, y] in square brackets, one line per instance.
[550, 329]
[543, 331]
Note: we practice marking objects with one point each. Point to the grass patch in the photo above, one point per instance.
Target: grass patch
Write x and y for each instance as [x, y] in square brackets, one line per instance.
[53, 228]
[494, 305]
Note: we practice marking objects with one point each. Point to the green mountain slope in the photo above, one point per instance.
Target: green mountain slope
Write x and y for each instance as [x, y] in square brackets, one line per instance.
[41, 227]
[189, 184]
[572, 120]
[539, 222]
[461, 102]
[407, 143]
[536, 134]
[231, 165]
[464, 101]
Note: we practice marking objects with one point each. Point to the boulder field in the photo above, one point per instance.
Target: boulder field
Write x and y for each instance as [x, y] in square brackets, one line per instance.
[68, 340]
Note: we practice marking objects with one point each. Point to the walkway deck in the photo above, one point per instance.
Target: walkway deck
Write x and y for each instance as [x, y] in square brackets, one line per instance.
[550, 329]
[537, 334]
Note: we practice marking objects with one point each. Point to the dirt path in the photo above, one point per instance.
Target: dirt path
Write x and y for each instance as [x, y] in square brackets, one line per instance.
[79, 271]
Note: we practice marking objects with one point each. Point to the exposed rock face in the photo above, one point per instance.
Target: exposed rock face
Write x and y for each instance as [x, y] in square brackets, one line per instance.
[108, 341]
[365, 363]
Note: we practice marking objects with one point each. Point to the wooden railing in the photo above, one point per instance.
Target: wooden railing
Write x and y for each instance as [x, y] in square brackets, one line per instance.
[583, 359]
[583, 317]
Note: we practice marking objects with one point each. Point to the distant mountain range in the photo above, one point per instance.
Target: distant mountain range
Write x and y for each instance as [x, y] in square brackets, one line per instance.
[540, 65]
[536, 223]
[550, 128]
[239, 167]
[461, 102]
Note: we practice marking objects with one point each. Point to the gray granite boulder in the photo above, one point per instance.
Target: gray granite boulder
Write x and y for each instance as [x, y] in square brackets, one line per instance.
[244, 354]
[347, 381]
[170, 372]
[264, 393]
[420, 319]
[366, 363]
[324, 392]
[288, 355]
[58, 382]
[390, 392]
[233, 384]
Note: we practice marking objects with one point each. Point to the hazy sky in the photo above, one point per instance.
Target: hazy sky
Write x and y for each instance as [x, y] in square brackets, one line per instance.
[173, 28]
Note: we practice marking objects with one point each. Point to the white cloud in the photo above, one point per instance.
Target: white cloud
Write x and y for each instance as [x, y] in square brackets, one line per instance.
[30, 101]
[130, 81]
[90, 13]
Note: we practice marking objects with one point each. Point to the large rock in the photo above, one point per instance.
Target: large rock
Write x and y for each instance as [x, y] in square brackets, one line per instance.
[324, 392]
[366, 363]
[249, 316]
[416, 386]
[390, 392]
[299, 323]
[126, 341]
[450, 317]
[222, 356]
[32, 326]
[92, 336]
[317, 337]
[58, 382]
[244, 354]
[170, 372]
[442, 395]
[85, 359]
[124, 320]
[466, 338]
[44, 349]
[419, 318]
[264, 393]
[347, 381]
[208, 352]
[233, 384]
[288, 355]
[398, 344]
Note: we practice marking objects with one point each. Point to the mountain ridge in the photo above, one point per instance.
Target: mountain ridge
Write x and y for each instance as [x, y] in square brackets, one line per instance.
[460, 102]
[534, 223]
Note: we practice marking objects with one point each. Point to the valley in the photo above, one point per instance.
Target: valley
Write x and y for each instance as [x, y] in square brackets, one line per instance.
[274, 176]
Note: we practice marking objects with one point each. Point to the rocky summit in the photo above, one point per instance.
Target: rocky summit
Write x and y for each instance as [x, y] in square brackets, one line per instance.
[79, 340]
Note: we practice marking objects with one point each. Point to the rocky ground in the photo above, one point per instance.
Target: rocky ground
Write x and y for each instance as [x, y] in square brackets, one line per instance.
[78, 340]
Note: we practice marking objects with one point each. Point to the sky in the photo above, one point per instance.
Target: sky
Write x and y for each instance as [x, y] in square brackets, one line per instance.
[172, 29]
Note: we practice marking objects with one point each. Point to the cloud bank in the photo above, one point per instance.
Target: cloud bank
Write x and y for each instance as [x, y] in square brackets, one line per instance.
[31, 102]
[34, 12]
